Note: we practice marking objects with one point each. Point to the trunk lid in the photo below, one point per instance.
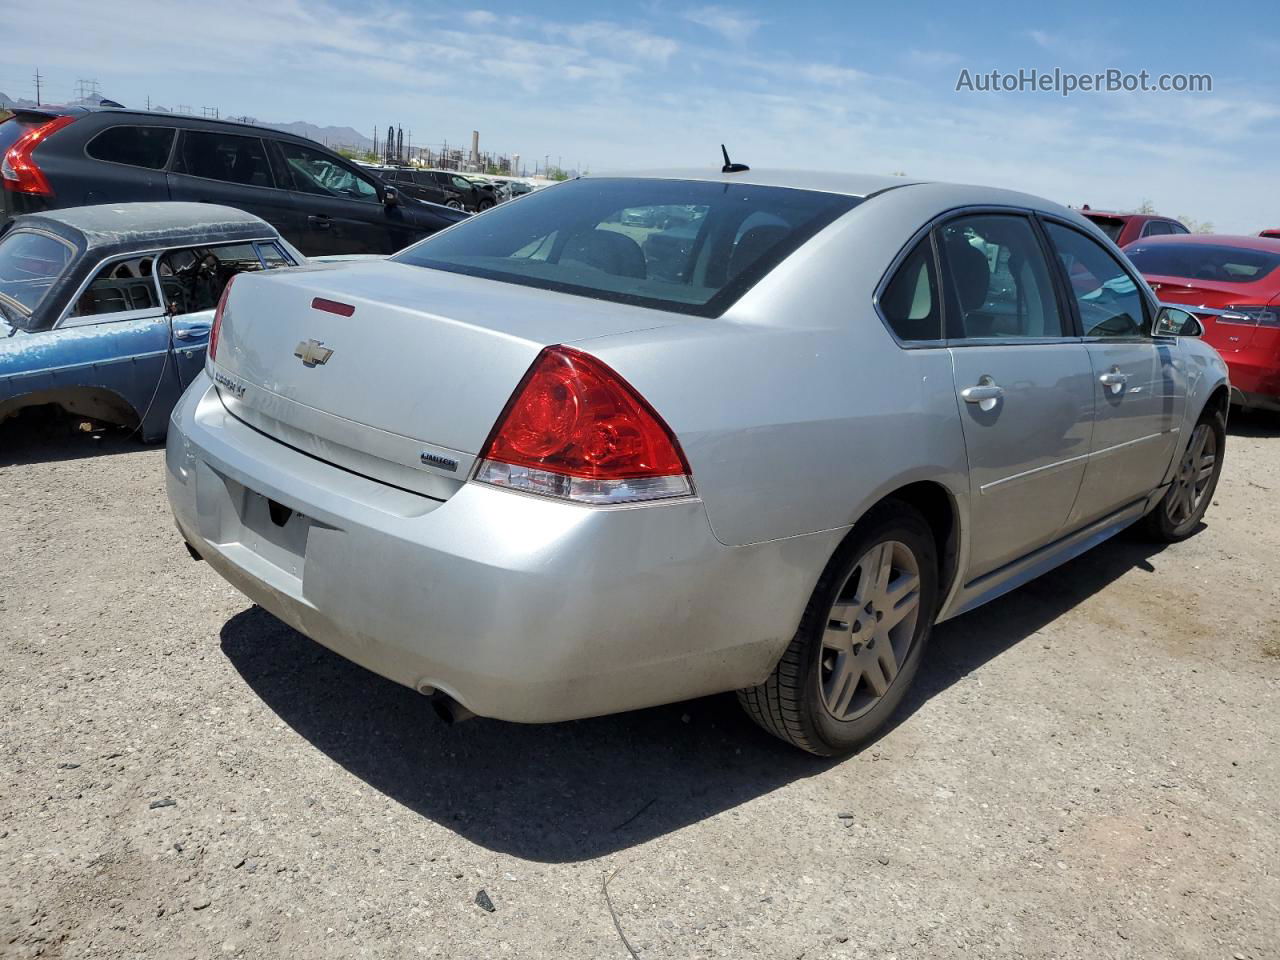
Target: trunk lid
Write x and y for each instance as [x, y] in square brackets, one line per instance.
[407, 387]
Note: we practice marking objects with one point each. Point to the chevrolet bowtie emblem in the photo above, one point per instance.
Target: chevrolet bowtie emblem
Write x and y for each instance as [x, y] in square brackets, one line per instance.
[312, 353]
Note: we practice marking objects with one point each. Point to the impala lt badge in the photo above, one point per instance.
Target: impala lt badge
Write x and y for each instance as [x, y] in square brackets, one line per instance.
[312, 353]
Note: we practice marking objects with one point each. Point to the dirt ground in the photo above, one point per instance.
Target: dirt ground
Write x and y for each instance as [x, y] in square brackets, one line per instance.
[1087, 768]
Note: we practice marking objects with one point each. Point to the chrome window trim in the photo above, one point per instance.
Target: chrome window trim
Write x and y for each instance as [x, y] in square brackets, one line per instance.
[168, 162]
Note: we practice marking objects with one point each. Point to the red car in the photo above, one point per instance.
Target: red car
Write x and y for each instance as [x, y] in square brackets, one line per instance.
[1274, 233]
[1233, 285]
[1123, 228]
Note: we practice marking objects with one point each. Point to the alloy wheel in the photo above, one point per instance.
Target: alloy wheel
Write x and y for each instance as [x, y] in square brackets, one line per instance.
[870, 629]
[1194, 475]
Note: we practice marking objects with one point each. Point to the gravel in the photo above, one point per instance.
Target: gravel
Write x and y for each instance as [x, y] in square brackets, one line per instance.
[1087, 768]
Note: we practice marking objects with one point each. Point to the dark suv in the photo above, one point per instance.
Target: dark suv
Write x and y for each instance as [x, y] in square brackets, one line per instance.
[423, 185]
[56, 157]
[475, 196]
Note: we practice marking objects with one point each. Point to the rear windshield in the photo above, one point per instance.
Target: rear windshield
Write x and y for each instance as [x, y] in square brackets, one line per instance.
[686, 246]
[29, 265]
[1197, 261]
[1111, 226]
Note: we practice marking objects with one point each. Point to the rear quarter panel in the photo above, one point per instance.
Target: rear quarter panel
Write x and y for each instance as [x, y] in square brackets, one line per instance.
[798, 410]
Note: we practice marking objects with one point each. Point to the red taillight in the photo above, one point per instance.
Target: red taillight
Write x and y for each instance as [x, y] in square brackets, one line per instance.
[17, 168]
[577, 430]
[217, 320]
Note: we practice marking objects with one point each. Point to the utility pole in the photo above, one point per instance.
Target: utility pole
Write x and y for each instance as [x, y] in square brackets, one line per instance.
[38, 79]
[148, 101]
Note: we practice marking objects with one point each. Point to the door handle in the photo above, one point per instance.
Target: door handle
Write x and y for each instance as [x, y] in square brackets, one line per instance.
[982, 393]
[1114, 379]
[320, 223]
[192, 332]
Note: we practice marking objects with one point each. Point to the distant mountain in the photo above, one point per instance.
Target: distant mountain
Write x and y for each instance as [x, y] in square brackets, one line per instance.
[333, 136]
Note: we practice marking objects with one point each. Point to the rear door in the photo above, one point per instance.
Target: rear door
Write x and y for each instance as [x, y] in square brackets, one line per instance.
[215, 166]
[130, 162]
[1023, 384]
[1139, 384]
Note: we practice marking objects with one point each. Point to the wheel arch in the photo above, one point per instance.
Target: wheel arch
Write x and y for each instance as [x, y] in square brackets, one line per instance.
[98, 403]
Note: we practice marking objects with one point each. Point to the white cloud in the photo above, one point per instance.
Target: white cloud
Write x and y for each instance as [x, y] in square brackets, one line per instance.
[728, 23]
[932, 59]
[1042, 39]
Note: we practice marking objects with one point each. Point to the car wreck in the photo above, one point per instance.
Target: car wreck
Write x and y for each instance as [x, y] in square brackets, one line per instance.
[105, 311]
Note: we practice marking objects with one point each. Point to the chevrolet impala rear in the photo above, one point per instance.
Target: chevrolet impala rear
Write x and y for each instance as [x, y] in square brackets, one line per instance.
[627, 441]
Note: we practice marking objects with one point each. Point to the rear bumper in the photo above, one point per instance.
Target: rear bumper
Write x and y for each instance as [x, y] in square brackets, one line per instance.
[1255, 384]
[519, 607]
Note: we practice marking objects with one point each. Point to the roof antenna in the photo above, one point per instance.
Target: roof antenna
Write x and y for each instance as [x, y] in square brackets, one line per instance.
[731, 167]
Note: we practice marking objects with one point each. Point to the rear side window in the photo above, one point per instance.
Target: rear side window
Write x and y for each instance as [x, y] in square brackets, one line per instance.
[119, 287]
[30, 263]
[686, 246]
[1111, 226]
[225, 157]
[911, 302]
[193, 279]
[999, 280]
[1110, 302]
[147, 147]
[1157, 228]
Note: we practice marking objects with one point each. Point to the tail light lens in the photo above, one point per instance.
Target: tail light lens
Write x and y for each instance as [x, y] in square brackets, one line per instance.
[1267, 316]
[576, 430]
[216, 329]
[17, 168]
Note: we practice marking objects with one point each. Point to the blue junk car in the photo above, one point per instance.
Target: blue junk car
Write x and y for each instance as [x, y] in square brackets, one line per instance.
[105, 311]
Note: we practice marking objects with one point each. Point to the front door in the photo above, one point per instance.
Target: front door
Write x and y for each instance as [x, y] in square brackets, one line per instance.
[1139, 383]
[341, 208]
[1023, 385]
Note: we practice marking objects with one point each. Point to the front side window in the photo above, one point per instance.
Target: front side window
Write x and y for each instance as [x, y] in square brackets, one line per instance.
[1110, 302]
[225, 157]
[675, 245]
[193, 278]
[147, 147]
[998, 280]
[319, 173]
[119, 287]
[272, 256]
[30, 264]
[911, 302]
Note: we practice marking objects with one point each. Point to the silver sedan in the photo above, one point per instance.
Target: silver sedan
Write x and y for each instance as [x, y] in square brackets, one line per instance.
[631, 440]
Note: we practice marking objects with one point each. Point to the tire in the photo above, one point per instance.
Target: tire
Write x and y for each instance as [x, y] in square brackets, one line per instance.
[454, 204]
[485, 205]
[1181, 509]
[832, 692]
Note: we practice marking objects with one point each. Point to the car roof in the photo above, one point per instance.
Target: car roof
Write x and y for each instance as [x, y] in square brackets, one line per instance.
[1249, 242]
[850, 184]
[1126, 216]
[126, 226]
[163, 117]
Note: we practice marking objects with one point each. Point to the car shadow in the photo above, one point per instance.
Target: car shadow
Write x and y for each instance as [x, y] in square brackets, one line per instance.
[1253, 423]
[573, 791]
[27, 440]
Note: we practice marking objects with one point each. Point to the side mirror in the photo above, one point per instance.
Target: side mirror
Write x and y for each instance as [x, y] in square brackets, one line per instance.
[1175, 322]
[390, 196]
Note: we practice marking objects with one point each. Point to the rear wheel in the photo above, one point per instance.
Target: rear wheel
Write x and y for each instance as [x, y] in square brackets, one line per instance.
[455, 204]
[485, 205]
[1182, 508]
[860, 641]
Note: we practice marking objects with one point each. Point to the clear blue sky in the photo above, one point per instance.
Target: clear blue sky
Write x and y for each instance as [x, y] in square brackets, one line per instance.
[849, 86]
